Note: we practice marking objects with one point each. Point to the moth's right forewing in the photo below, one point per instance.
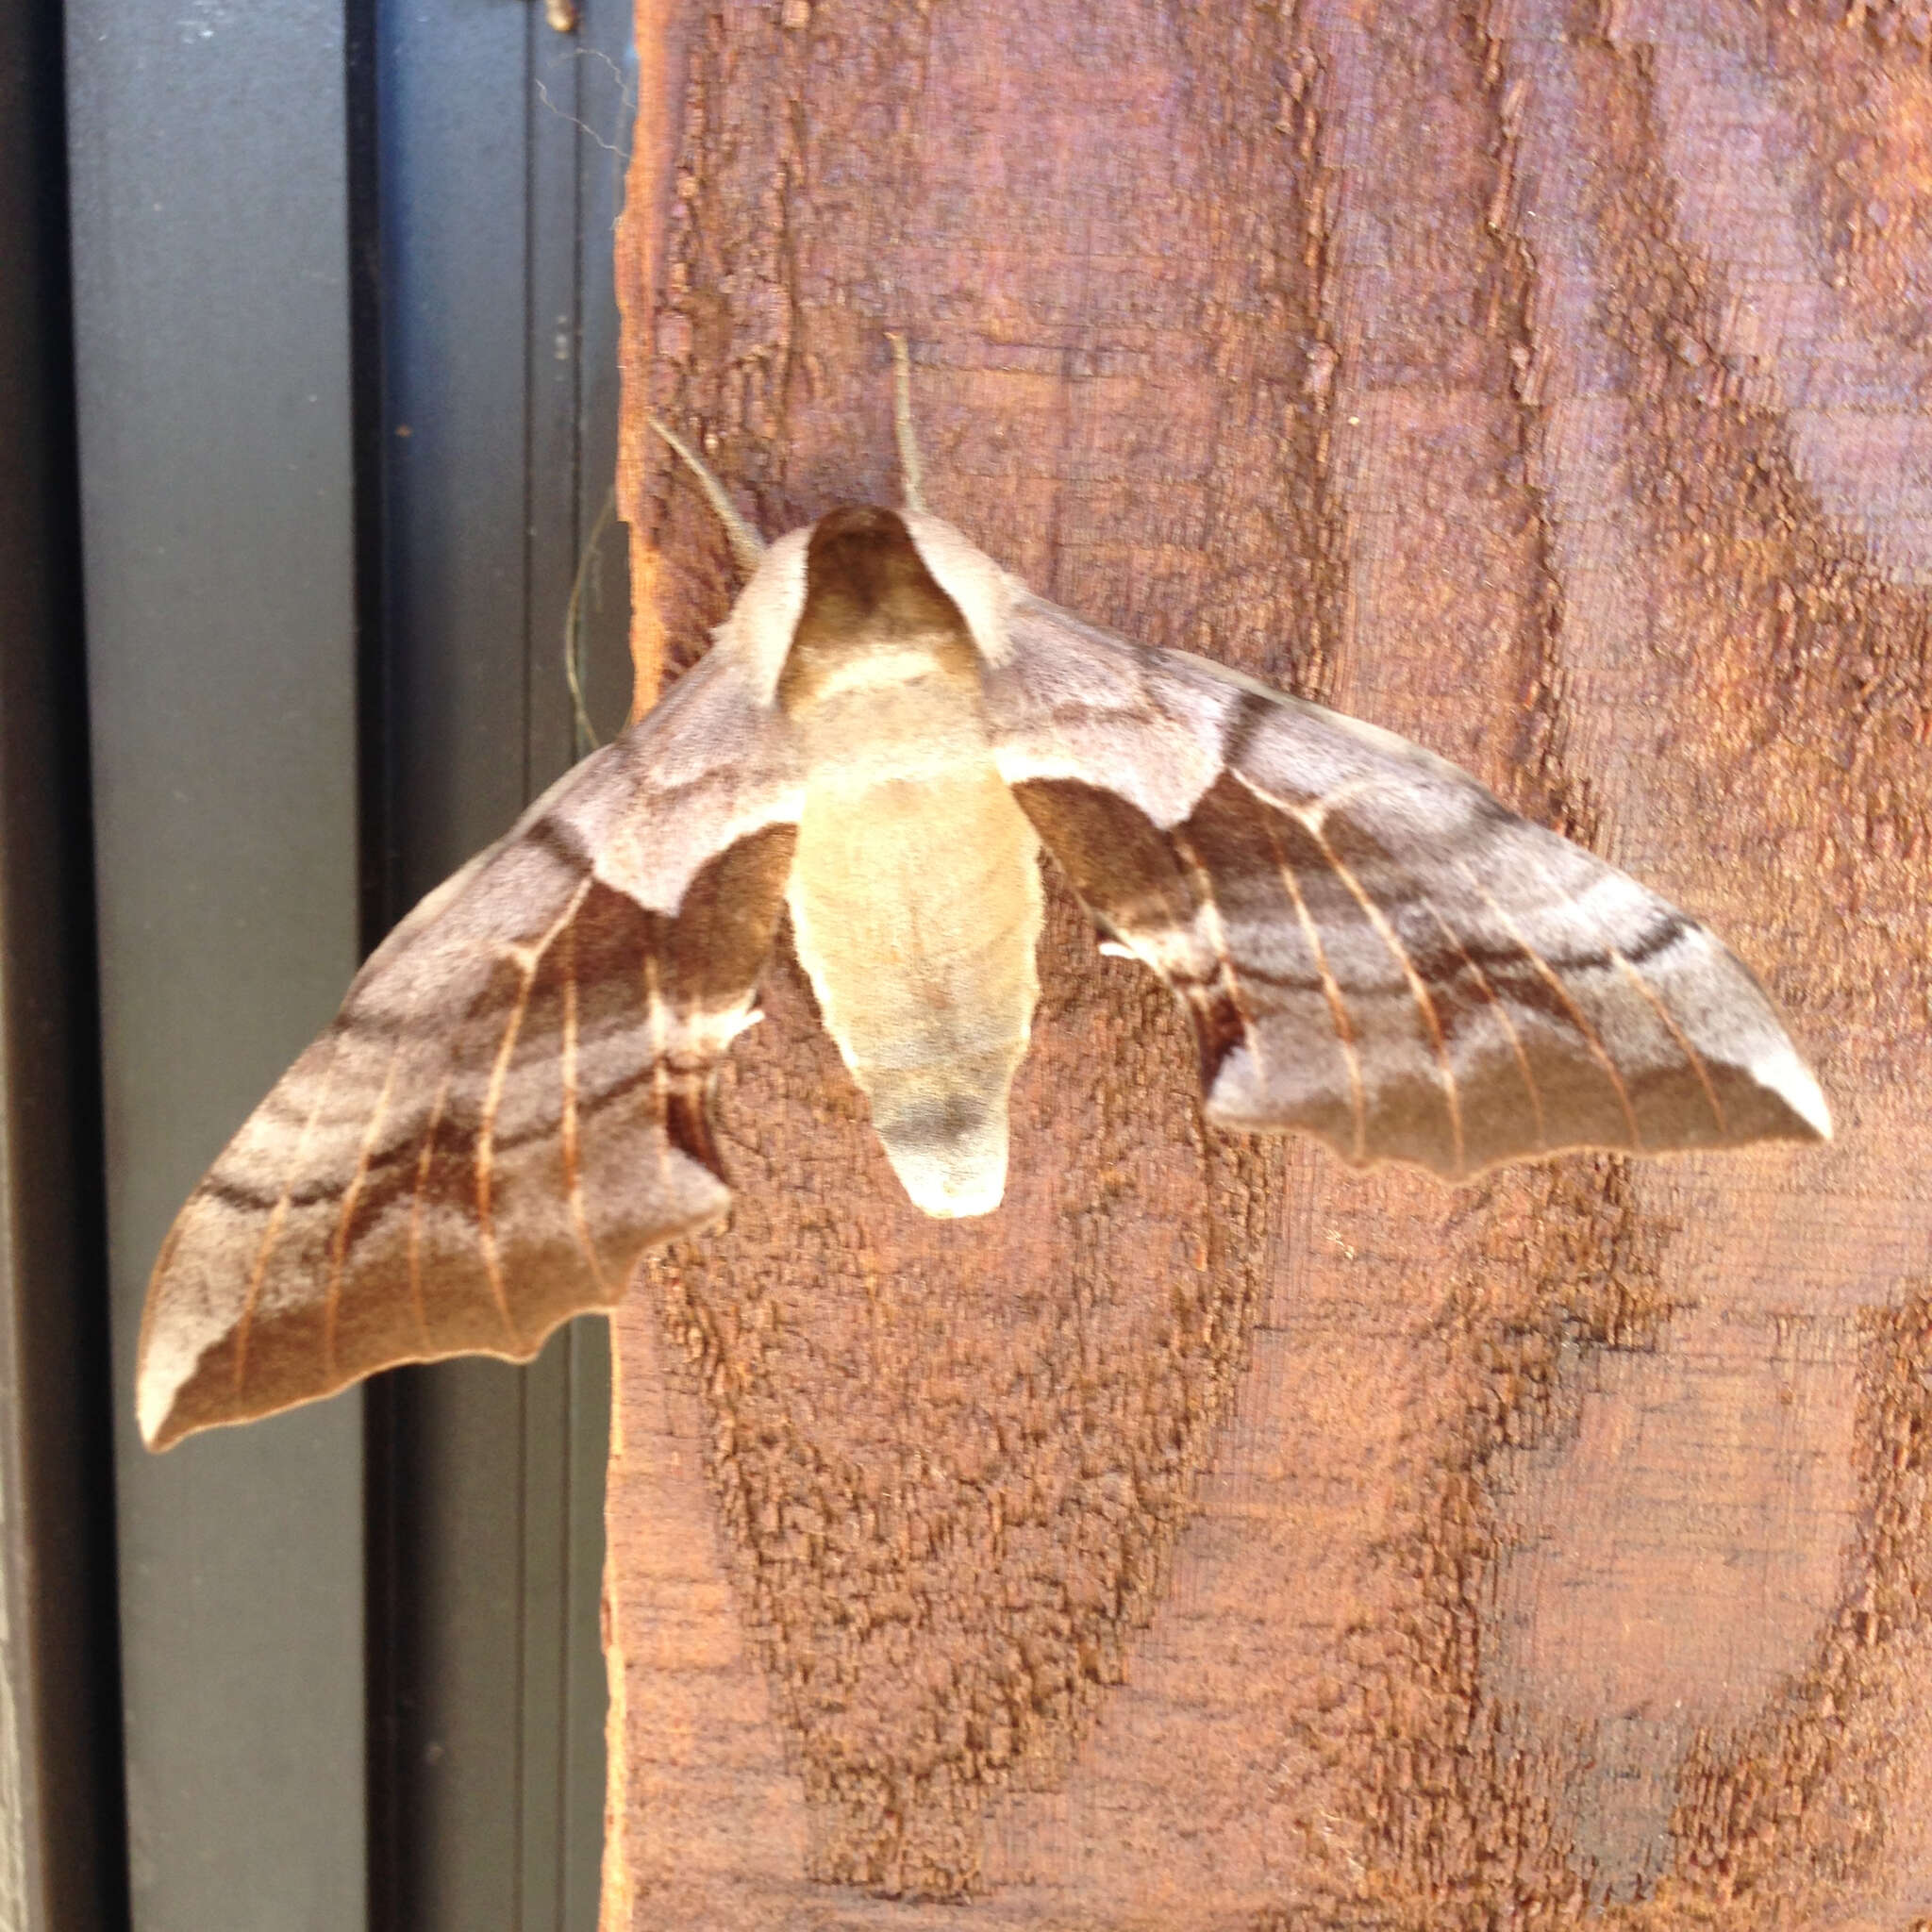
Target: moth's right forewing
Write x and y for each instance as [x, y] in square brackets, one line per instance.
[511, 1103]
[1373, 950]
[1567, 1004]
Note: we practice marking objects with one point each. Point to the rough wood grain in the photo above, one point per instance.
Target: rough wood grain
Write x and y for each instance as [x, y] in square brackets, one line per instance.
[1214, 1538]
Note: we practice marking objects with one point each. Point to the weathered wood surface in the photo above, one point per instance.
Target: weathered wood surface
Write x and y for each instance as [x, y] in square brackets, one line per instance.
[1214, 1538]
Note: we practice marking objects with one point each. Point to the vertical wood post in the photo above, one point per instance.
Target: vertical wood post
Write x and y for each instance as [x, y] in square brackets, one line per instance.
[1215, 1537]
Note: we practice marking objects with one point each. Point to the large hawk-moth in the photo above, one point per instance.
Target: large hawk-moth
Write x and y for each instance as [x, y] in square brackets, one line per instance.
[514, 1099]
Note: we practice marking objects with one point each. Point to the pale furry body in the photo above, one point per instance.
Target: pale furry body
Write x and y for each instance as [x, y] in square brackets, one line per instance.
[915, 905]
[928, 991]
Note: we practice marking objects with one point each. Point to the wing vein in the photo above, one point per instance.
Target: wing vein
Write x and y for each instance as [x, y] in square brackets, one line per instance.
[573, 1172]
[1575, 1012]
[1692, 1058]
[528, 964]
[660, 1072]
[339, 1244]
[1418, 988]
[1209, 909]
[1338, 1006]
[1501, 1011]
[485, 1224]
[417, 1299]
[245, 1327]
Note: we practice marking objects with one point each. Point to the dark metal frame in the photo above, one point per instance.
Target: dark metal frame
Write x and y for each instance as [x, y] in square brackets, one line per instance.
[492, 448]
[62, 1826]
[344, 353]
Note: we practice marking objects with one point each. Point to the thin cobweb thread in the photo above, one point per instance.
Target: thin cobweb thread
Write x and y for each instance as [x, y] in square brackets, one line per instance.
[582, 731]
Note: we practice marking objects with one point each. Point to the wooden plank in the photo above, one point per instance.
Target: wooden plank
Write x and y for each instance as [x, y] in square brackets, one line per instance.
[1214, 1537]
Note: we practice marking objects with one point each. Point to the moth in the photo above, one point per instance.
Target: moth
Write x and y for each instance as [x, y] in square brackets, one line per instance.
[515, 1099]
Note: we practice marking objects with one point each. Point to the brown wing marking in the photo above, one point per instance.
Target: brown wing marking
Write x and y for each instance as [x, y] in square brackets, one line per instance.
[567, 1128]
[1425, 1003]
[1213, 908]
[1338, 1006]
[1576, 1014]
[418, 1299]
[486, 1222]
[1222, 1019]
[659, 1037]
[1132, 878]
[1396, 1043]
[339, 1247]
[277, 1217]
[526, 964]
[1501, 1009]
[1692, 1058]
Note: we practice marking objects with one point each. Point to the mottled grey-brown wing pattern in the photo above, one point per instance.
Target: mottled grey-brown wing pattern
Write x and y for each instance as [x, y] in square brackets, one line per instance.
[513, 1100]
[1373, 950]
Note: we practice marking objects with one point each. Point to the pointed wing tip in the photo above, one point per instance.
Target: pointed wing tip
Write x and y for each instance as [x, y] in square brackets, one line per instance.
[1780, 1072]
[172, 1401]
[166, 1419]
[164, 1434]
[168, 1412]
[158, 1398]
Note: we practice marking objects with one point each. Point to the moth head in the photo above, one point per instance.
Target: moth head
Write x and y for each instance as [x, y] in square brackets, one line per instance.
[865, 577]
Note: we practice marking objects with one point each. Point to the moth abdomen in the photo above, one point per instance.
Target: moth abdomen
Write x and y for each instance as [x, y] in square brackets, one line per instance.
[916, 913]
[944, 1130]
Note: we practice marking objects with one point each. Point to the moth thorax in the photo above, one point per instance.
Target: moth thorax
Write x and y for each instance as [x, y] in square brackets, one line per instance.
[874, 616]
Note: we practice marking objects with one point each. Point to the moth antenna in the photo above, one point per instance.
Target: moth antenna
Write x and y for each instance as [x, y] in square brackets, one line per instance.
[910, 465]
[747, 544]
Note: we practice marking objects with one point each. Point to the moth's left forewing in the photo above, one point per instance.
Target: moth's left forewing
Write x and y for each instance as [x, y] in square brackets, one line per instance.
[511, 1103]
[1373, 948]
